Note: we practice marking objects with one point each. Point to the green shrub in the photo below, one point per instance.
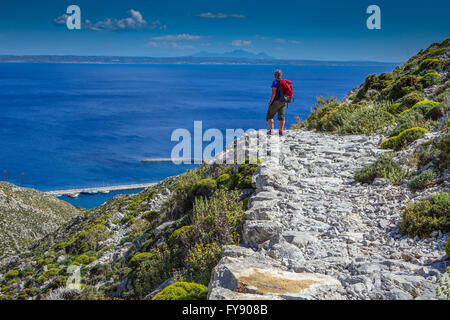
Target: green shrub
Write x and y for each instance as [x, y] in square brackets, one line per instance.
[83, 260]
[182, 235]
[138, 259]
[430, 64]
[423, 217]
[201, 260]
[438, 111]
[12, 274]
[150, 215]
[437, 151]
[384, 167]
[402, 86]
[403, 139]
[205, 187]
[223, 180]
[321, 113]
[422, 106]
[447, 247]
[420, 181]
[366, 121]
[48, 274]
[58, 282]
[218, 219]
[128, 219]
[394, 108]
[409, 101]
[152, 271]
[183, 291]
[430, 79]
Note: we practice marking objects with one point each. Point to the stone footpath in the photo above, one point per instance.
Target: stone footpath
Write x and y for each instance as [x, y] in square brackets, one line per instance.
[312, 232]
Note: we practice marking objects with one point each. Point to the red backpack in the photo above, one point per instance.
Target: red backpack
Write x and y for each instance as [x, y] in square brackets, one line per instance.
[286, 91]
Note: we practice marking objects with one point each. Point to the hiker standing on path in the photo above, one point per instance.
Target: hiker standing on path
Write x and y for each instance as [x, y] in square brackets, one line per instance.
[276, 104]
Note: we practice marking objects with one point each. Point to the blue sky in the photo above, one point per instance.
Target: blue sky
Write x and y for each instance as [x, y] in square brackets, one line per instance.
[295, 29]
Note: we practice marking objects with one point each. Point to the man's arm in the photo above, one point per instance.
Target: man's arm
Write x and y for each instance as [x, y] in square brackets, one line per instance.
[274, 93]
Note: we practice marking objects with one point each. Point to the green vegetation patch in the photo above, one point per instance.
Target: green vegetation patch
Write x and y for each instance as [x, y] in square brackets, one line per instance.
[422, 180]
[183, 291]
[405, 138]
[384, 167]
[423, 217]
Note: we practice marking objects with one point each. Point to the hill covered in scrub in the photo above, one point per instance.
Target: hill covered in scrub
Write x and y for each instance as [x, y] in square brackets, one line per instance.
[133, 244]
[27, 215]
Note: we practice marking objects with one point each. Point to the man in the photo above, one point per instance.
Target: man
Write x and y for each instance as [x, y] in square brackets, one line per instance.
[276, 106]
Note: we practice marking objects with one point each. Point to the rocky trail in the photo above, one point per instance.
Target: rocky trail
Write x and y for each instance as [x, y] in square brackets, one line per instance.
[312, 232]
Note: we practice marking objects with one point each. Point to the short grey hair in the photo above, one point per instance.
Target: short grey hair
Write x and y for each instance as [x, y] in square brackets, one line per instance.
[278, 73]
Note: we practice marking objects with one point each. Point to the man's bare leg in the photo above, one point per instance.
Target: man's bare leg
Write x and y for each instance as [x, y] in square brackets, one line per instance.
[282, 125]
[270, 121]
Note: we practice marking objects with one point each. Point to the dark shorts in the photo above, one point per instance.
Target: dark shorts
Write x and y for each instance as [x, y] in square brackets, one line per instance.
[276, 107]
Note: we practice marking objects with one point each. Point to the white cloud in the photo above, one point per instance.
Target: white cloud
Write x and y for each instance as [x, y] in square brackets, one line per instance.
[279, 40]
[177, 37]
[61, 19]
[135, 20]
[241, 43]
[220, 15]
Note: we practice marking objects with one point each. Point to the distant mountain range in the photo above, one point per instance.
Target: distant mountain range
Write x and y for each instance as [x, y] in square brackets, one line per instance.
[240, 54]
[232, 57]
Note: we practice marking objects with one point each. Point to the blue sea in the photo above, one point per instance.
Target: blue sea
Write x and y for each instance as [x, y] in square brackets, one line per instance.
[65, 126]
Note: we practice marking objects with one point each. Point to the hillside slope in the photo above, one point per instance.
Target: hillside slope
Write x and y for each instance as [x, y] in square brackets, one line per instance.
[353, 212]
[27, 215]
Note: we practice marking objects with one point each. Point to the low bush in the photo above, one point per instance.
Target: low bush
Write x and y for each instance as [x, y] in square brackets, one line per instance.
[438, 111]
[384, 167]
[409, 101]
[201, 260]
[83, 260]
[223, 180]
[422, 106]
[430, 64]
[12, 274]
[402, 86]
[150, 216]
[218, 219]
[138, 259]
[430, 79]
[366, 121]
[422, 180]
[183, 291]
[423, 217]
[182, 236]
[48, 274]
[205, 187]
[153, 271]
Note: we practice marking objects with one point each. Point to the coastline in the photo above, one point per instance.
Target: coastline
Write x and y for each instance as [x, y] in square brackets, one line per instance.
[73, 193]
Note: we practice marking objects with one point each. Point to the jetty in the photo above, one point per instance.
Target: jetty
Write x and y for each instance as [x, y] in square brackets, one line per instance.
[185, 160]
[73, 193]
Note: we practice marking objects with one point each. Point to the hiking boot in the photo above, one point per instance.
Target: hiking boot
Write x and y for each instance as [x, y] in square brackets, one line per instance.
[280, 132]
[269, 132]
